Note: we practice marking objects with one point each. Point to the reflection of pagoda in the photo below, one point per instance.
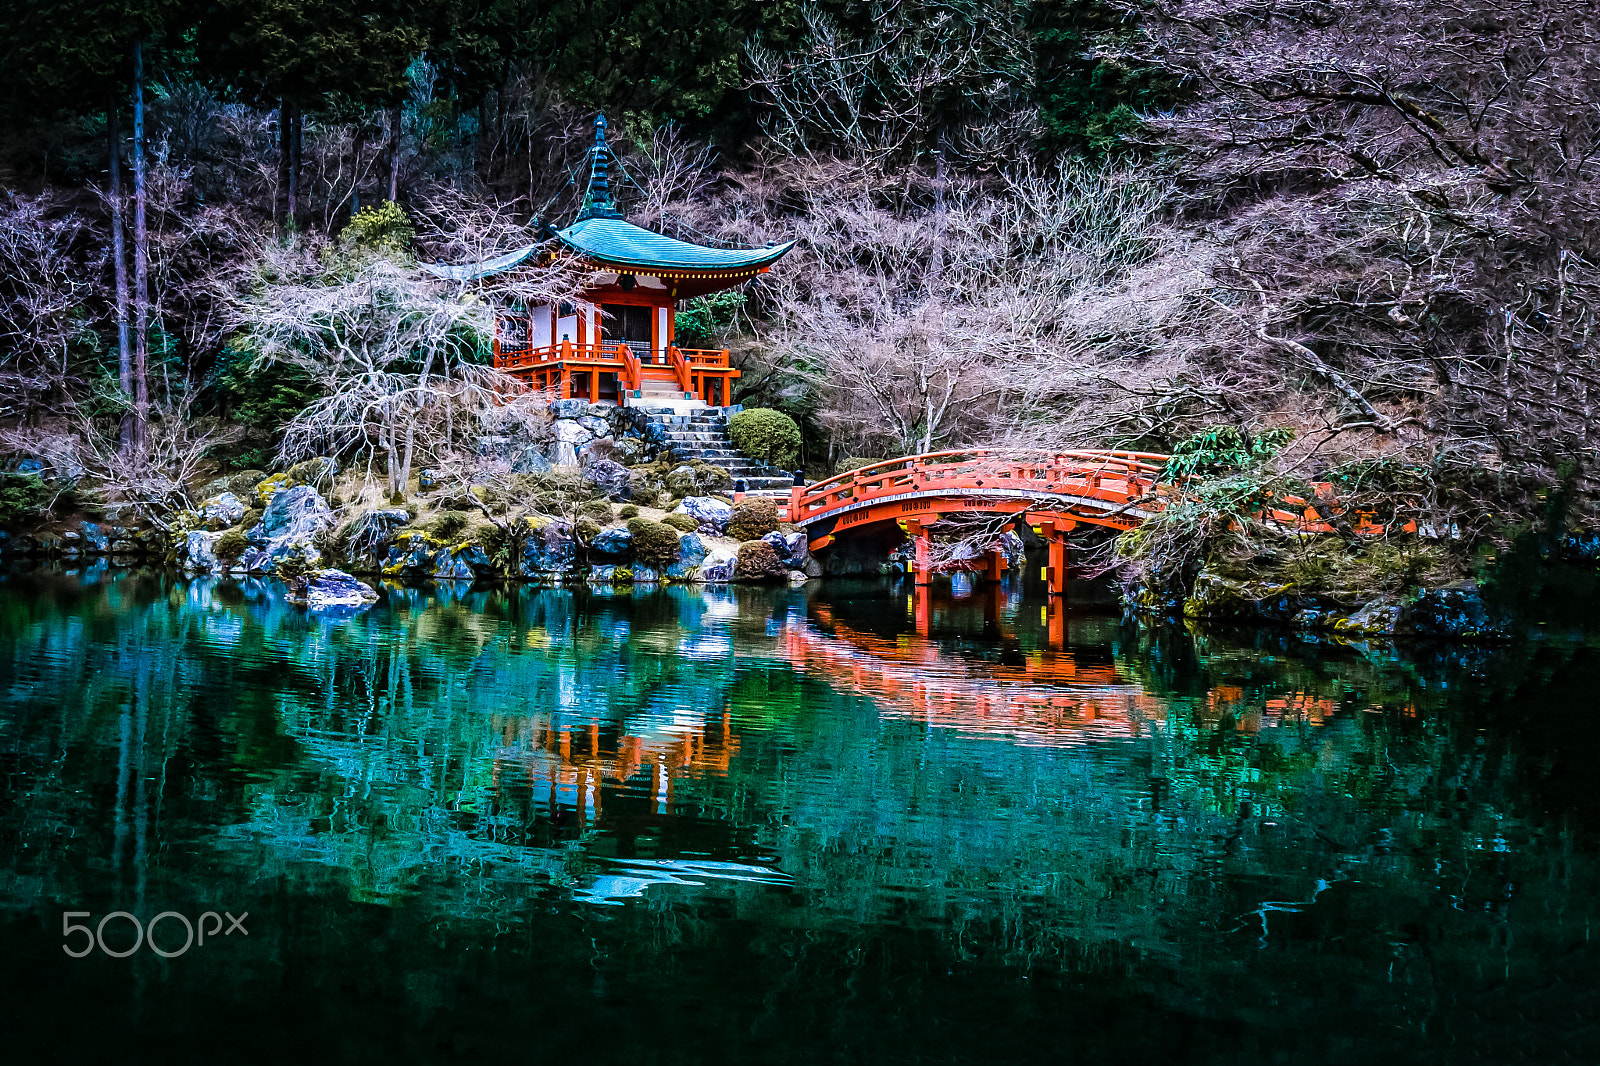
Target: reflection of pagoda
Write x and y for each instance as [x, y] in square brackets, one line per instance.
[618, 343]
[592, 777]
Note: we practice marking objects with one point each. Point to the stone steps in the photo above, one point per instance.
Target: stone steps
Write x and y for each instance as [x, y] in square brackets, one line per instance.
[693, 431]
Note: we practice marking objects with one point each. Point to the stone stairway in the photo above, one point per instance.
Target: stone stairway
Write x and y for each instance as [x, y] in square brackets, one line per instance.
[691, 429]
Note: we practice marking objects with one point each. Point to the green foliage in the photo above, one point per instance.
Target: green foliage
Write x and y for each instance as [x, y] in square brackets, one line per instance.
[753, 518]
[599, 510]
[23, 499]
[704, 321]
[655, 543]
[768, 435]
[1088, 102]
[262, 397]
[628, 511]
[379, 231]
[682, 522]
[1221, 450]
[232, 544]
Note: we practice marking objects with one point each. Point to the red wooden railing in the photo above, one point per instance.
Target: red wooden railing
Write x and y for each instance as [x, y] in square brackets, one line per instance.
[1114, 478]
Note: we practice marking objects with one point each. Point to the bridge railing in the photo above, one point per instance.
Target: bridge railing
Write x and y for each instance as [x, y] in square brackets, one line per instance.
[1114, 475]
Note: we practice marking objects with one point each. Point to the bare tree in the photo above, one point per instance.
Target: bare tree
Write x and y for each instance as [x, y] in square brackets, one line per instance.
[397, 354]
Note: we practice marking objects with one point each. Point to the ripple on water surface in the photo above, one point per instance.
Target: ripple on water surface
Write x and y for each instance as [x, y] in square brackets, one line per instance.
[834, 816]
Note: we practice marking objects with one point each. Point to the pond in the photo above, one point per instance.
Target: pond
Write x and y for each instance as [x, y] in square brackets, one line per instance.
[796, 825]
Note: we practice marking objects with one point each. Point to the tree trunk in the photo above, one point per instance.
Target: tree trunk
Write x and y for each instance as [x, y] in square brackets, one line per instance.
[141, 259]
[394, 153]
[355, 181]
[293, 148]
[283, 154]
[119, 261]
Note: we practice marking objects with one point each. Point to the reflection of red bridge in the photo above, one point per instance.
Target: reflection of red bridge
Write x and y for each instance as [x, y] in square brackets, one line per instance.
[1048, 700]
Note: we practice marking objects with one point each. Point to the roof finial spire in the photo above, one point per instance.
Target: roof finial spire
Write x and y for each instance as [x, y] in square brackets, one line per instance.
[597, 202]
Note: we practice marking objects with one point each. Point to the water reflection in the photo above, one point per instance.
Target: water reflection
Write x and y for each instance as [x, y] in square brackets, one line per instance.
[783, 806]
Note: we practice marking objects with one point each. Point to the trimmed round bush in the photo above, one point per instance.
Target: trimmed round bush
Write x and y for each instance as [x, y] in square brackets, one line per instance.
[630, 511]
[655, 543]
[768, 435]
[753, 518]
[758, 560]
[684, 523]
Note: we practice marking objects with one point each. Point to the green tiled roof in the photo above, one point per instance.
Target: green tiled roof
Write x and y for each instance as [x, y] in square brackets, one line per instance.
[617, 243]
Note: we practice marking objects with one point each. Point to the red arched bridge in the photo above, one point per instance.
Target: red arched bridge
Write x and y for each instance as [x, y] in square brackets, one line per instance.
[1051, 491]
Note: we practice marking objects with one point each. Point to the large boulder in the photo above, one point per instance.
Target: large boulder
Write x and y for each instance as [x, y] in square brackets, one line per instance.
[411, 555]
[1451, 614]
[197, 552]
[1377, 619]
[1221, 599]
[530, 459]
[691, 556]
[576, 408]
[610, 478]
[368, 539]
[719, 567]
[95, 541]
[569, 437]
[628, 450]
[790, 548]
[293, 522]
[463, 563]
[711, 513]
[1010, 545]
[614, 544]
[322, 590]
[222, 511]
[548, 547]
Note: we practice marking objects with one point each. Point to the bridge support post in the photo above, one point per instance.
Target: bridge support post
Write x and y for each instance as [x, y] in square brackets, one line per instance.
[1054, 532]
[922, 552]
[997, 567]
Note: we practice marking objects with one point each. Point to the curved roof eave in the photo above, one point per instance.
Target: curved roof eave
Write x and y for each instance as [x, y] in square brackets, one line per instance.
[614, 242]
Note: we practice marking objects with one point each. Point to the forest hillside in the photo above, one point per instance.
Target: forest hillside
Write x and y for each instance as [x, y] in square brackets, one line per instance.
[1350, 242]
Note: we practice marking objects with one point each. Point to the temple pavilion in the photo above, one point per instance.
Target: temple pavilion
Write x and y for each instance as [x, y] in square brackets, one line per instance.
[616, 343]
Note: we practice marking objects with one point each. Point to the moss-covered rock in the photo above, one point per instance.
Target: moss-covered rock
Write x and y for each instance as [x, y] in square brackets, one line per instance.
[654, 543]
[682, 522]
[753, 518]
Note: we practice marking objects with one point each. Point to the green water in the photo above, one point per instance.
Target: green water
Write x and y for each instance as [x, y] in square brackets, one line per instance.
[781, 826]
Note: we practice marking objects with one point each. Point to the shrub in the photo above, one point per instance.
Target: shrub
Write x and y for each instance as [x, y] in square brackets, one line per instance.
[758, 560]
[630, 511]
[768, 435]
[753, 518]
[252, 518]
[686, 523]
[231, 545]
[655, 543]
[599, 510]
[23, 498]
[588, 529]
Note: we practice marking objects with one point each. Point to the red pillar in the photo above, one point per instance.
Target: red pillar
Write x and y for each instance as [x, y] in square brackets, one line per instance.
[997, 566]
[922, 608]
[1056, 617]
[922, 549]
